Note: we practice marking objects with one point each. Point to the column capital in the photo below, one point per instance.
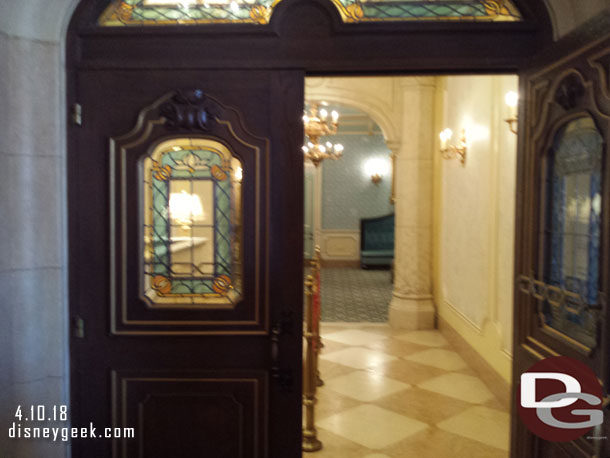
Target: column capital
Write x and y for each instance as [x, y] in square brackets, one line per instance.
[394, 146]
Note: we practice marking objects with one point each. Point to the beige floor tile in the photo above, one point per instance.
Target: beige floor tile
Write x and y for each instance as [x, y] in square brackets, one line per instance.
[407, 371]
[371, 426]
[357, 357]
[428, 338]
[496, 404]
[482, 424]
[459, 386]
[396, 347]
[468, 371]
[383, 329]
[330, 345]
[423, 405]
[436, 443]
[376, 455]
[437, 357]
[354, 337]
[365, 386]
[334, 446]
[330, 402]
[329, 370]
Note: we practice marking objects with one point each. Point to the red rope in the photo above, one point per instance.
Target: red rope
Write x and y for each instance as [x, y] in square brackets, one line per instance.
[317, 305]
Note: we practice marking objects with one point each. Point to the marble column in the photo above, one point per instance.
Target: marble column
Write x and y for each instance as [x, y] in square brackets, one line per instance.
[412, 305]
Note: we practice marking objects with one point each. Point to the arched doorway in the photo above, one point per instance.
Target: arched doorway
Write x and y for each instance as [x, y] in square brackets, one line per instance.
[51, 113]
[183, 96]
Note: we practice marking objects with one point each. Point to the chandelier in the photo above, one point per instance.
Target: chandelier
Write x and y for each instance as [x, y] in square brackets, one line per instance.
[318, 125]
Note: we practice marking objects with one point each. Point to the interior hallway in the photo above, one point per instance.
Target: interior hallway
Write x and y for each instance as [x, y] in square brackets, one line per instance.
[391, 393]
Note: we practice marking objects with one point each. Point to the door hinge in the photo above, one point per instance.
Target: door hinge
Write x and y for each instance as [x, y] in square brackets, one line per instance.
[77, 114]
[78, 329]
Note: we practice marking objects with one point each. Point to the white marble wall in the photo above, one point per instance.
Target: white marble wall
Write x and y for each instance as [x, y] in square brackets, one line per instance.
[33, 336]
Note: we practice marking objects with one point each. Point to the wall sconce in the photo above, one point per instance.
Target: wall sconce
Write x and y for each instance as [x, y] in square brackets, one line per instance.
[453, 151]
[512, 100]
[376, 168]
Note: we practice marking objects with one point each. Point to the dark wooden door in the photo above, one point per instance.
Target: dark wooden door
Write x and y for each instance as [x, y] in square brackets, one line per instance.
[200, 355]
[563, 228]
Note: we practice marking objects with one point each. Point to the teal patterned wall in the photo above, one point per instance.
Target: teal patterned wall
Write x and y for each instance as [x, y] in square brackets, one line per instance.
[347, 193]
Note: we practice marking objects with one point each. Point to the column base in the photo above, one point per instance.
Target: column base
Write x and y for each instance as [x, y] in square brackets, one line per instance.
[411, 313]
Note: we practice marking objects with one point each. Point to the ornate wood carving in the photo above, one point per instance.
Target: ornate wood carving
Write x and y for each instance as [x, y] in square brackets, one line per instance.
[569, 92]
[183, 114]
[189, 109]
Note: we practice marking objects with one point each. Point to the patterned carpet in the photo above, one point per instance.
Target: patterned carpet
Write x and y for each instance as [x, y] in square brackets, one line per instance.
[355, 295]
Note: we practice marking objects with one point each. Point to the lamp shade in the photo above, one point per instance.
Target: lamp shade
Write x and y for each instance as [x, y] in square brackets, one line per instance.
[185, 207]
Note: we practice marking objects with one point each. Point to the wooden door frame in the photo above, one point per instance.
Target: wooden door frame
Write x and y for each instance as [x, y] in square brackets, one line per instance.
[297, 33]
[318, 42]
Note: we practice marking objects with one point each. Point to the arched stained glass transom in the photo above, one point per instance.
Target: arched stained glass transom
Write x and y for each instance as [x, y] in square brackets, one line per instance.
[190, 12]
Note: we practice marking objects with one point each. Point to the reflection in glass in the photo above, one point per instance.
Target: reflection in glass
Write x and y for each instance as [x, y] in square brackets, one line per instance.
[192, 224]
[572, 230]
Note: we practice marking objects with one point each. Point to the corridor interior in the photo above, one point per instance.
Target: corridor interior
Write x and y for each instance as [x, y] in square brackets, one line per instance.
[439, 388]
[394, 394]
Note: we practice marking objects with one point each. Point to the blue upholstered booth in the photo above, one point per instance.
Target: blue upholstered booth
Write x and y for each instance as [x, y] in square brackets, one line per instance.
[377, 241]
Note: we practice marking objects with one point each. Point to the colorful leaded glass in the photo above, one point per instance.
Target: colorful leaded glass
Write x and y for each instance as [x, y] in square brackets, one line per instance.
[192, 224]
[185, 12]
[573, 227]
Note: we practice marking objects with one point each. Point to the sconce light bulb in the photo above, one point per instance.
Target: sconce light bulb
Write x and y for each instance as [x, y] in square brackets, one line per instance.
[310, 145]
[305, 119]
[323, 113]
[335, 116]
[338, 147]
[329, 145]
[446, 135]
[512, 99]
[305, 149]
[322, 149]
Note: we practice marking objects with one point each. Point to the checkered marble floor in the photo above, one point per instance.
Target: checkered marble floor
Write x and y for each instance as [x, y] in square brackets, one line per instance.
[397, 394]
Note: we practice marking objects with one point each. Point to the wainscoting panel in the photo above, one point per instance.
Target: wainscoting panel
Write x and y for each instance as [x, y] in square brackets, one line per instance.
[340, 245]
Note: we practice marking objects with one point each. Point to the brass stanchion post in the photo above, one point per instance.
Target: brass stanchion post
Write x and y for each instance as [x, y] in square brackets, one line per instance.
[310, 439]
[317, 268]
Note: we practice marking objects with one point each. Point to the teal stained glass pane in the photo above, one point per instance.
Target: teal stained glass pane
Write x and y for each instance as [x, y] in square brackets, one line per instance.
[192, 231]
[189, 12]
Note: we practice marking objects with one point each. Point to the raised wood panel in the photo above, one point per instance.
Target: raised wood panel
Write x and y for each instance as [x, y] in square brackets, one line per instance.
[214, 414]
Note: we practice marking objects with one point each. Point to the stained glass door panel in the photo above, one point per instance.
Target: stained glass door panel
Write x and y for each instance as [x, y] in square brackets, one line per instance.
[572, 232]
[192, 224]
